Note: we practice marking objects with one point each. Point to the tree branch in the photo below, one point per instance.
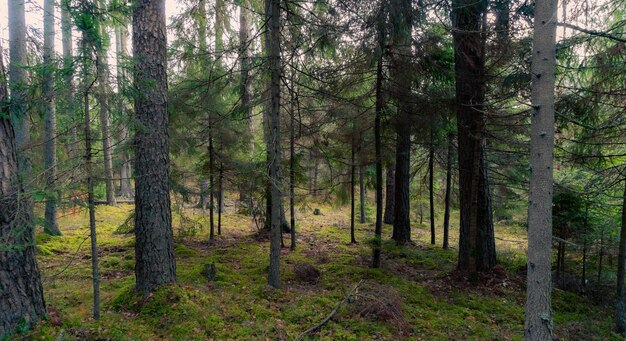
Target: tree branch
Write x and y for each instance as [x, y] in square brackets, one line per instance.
[593, 32]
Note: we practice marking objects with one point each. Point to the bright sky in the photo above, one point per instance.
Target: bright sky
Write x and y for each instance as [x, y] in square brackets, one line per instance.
[34, 19]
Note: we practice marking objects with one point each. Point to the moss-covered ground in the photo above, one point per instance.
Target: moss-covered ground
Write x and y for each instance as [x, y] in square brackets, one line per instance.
[425, 299]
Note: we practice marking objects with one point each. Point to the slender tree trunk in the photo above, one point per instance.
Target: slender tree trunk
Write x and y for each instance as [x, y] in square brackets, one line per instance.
[154, 250]
[378, 230]
[352, 196]
[431, 190]
[446, 216]
[620, 318]
[50, 122]
[121, 39]
[21, 302]
[362, 193]
[220, 198]
[105, 120]
[69, 102]
[390, 193]
[272, 16]
[244, 55]
[292, 166]
[477, 240]
[211, 183]
[601, 255]
[90, 180]
[538, 324]
[18, 85]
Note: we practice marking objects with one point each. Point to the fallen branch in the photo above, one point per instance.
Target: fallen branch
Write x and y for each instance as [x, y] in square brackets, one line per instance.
[332, 313]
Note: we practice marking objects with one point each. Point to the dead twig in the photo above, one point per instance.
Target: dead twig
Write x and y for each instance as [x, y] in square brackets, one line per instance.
[332, 313]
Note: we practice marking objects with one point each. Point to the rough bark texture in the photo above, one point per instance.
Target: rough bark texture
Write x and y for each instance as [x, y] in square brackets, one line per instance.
[431, 189]
[538, 324]
[245, 62]
[21, 294]
[87, 83]
[154, 250]
[105, 120]
[401, 22]
[18, 85]
[50, 122]
[69, 106]
[362, 194]
[272, 16]
[390, 193]
[446, 216]
[378, 230]
[620, 318]
[121, 46]
[292, 167]
[476, 241]
[352, 197]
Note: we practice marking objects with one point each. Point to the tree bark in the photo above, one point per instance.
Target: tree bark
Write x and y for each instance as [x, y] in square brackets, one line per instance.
[538, 323]
[18, 85]
[378, 230]
[292, 165]
[446, 216]
[21, 294]
[272, 17]
[220, 198]
[69, 102]
[362, 194]
[87, 83]
[121, 43]
[154, 251]
[211, 183]
[401, 21]
[620, 317]
[50, 122]
[244, 55]
[390, 193]
[431, 190]
[477, 240]
[352, 196]
[105, 120]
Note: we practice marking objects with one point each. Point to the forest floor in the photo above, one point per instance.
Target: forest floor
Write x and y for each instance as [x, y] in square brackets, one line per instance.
[416, 295]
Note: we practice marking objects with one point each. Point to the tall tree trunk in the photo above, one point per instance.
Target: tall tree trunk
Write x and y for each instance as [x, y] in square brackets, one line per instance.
[69, 102]
[21, 302]
[154, 251]
[352, 199]
[620, 318]
[87, 83]
[50, 122]
[292, 165]
[244, 55]
[378, 230]
[477, 241]
[446, 216]
[401, 21]
[390, 193]
[211, 183]
[601, 255]
[272, 17]
[220, 198]
[431, 183]
[362, 193]
[121, 44]
[105, 119]
[18, 85]
[538, 324]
